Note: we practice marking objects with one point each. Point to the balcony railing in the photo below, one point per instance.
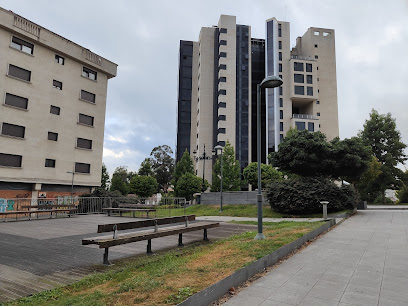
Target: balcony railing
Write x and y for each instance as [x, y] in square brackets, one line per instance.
[304, 116]
[306, 58]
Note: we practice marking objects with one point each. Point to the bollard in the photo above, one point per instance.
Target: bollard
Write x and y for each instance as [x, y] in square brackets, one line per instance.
[324, 203]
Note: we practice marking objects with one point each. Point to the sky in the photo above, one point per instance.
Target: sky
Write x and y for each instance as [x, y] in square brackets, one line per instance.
[143, 38]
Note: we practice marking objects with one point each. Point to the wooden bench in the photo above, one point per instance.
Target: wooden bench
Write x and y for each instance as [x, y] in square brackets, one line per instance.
[156, 232]
[124, 209]
[40, 209]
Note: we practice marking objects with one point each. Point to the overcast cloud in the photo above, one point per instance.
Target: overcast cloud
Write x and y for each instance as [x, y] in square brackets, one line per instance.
[142, 37]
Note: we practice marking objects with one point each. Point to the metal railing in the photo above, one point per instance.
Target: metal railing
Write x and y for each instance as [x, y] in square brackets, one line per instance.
[304, 116]
[305, 58]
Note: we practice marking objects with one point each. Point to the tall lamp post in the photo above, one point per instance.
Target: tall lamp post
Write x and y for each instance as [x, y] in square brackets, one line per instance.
[269, 82]
[72, 185]
[203, 157]
[216, 148]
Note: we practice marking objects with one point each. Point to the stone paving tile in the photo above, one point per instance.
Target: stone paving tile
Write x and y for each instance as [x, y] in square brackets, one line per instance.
[315, 301]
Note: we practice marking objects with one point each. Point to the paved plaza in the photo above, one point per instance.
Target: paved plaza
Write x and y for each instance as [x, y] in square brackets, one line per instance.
[363, 261]
[42, 254]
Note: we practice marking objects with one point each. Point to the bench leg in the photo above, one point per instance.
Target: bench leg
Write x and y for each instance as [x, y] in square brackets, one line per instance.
[108, 213]
[180, 244]
[120, 213]
[105, 257]
[205, 235]
[149, 247]
[147, 213]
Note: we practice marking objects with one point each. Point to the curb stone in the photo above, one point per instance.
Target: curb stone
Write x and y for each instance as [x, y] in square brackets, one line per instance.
[219, 289]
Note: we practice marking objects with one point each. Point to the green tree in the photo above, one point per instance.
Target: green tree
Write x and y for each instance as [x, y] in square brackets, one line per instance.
[143, 186]
[381, 134]
[146, 168]
[162, 165]
[230, 171]
[104, 178]
[367, 179]
[185, 165]
[268, 174]
[120, 180]
[187, 185]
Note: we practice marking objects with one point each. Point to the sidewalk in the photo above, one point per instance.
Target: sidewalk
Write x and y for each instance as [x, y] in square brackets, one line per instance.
[363, 261]
[387, 207]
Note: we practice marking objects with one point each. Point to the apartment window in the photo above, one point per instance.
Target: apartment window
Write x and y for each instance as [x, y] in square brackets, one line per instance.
[309, 79]
[221, 131]
[13, 130]
[318, 114]
[301, 126]
[281, 114]
[82, 168]
[298, 66]
[85, 119]
[223, 30]
[221, 143]
[281, 90]
[57, 84]
[87, 96]
[299, 90]
[223, 54]
[308, 67]
[10, 160]
[316, 57]
[310, 126]
[315, 46]
[316, 33]
[222, 67]
[16, 101]
[280, 67]
[222, 105]
[222, 118]
[59, 59]
[280, 137]
[22, 45]
[50, 163]
[55, 110]
[222, 92]
[280, 45]
[317, 102]
[281, 126]
[222, 79]
[223, 42]
[298, 78]
[280, 56]
[280, 102]
[52, 136]
[326, 34]
[279, 30]
[309, 91]
[88, 73]
[19, 73]
[84, 143]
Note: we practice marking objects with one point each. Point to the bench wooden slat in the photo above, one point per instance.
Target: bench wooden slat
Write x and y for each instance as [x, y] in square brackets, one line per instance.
[136, 206]
[103, 228]
[126, 209]
[47, 206]
[108, 241]
[12, 212]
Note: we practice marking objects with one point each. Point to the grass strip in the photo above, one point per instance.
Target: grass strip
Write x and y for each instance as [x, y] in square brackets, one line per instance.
[168, 278]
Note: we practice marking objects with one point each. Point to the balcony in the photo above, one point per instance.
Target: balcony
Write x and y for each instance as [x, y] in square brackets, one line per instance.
[304, 58]
[304, 116]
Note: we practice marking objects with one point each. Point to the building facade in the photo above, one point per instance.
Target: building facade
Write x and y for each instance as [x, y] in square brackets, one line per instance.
[52, 115]
[217, 89]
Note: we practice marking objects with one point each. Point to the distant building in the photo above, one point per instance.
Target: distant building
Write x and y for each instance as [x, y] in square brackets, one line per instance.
[217, 88]
[52, 116]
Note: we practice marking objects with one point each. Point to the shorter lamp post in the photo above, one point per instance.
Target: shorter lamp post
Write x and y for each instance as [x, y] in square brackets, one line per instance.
[203, 157]
[72, 185]
[268, 82]
[324, 203]
[216, 148]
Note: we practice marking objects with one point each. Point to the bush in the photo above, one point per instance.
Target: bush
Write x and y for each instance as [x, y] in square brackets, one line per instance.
[380, 199]
[303, 195]
[402, 195]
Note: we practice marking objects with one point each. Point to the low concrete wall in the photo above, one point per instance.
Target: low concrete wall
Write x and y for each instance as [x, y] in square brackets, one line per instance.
[230, 197]
[214, 292]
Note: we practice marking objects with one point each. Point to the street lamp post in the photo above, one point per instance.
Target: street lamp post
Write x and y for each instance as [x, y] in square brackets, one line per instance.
[268, 82]
[72, 185]
[216, 148]
[203, 157]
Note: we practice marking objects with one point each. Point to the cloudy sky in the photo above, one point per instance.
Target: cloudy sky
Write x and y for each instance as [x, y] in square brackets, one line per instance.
[142, 37]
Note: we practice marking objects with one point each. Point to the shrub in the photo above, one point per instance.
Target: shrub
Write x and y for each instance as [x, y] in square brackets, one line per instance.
[381, 199]
[303, 195]
[402, 195]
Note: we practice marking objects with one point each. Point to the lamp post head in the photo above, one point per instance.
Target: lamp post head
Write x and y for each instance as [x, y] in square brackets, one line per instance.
[218, 147]
[271, 81]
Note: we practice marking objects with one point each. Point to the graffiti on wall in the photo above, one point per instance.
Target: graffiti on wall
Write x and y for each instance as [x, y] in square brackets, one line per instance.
[6, 205]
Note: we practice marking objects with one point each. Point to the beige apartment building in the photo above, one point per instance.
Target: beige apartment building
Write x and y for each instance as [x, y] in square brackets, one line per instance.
[52, 117]
[217, 89]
